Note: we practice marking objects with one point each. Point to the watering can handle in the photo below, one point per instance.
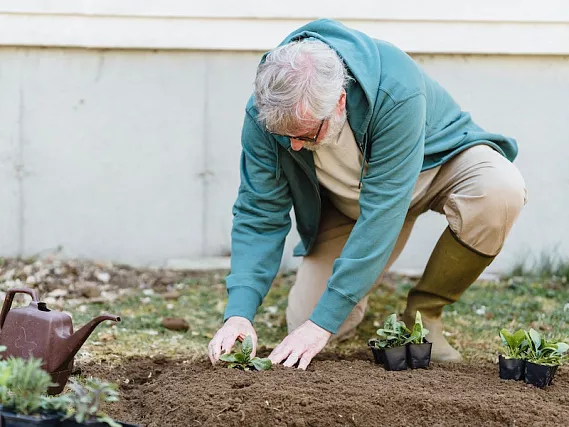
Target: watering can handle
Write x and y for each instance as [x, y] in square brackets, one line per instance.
[10, 297]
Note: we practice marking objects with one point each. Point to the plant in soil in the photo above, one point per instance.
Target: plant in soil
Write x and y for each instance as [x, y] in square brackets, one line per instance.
[543, 358]
[85, 403]
[243, 360]
[418, 349]
[512, 363]
[390, 348]
[23, 390]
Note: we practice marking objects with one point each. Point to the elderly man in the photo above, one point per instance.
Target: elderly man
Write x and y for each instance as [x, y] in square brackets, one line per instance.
[353, 134]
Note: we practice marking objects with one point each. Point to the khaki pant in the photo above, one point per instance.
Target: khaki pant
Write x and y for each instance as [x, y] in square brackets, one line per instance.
[479, 191]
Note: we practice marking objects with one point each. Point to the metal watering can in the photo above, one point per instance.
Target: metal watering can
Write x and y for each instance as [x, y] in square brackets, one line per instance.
[37, 331]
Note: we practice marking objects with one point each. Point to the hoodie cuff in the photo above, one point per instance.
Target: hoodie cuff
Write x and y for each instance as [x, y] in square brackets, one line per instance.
[243, 302]
[331, 311]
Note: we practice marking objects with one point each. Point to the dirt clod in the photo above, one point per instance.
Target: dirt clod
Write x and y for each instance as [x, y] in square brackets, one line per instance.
[175, 324]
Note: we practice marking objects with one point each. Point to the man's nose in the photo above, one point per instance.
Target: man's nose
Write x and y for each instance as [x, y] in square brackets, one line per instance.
[296, 144]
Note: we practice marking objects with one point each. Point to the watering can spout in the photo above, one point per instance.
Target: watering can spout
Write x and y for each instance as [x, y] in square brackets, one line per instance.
[71, 345]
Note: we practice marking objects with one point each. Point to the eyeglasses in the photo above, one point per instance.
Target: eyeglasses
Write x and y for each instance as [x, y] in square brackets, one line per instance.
[313, 139]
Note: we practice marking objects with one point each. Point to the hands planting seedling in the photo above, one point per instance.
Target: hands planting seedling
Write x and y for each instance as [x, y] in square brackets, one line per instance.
[242, 360]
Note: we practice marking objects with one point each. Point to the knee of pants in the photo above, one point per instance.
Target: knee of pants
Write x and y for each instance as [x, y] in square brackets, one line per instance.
[484, 221]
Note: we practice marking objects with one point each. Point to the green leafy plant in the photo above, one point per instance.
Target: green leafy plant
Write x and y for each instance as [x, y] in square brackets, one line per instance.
[85, 400]
[545, 352]
[243, 360]
[5, 373]
[516, 344]
[418, 333]
[55, 404]
[393, 334]
[23, 385]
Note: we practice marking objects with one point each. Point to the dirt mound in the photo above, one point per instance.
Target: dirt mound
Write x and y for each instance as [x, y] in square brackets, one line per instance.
[350, 392]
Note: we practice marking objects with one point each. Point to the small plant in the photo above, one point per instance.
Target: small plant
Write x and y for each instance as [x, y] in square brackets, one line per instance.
[390, 349]
[393, 334]
[85, 401]
[55, 404]
[23, 384]
[513, 363]
[545, 352]
[242, 360]
[418, 333]
[516, 344]
[530, 357]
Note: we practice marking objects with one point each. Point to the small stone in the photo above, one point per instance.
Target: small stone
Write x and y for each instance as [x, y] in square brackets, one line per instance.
[103, 276]
[106, 337]
[172, 295]
[57, 293]
[89, 290]
[175, 324]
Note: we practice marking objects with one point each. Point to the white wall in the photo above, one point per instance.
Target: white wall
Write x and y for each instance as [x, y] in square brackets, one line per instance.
[132, 156]
[120, 119]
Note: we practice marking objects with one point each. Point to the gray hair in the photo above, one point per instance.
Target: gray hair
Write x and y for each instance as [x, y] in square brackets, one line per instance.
[298, 82]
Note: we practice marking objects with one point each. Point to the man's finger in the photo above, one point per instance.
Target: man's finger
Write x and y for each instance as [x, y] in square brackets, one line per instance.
[254, 339]
[292, 359]
[280, 353]
[214, 349]
[305, 361]
[227, 343]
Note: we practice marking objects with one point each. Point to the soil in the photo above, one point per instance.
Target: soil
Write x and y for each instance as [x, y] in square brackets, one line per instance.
[347, 391]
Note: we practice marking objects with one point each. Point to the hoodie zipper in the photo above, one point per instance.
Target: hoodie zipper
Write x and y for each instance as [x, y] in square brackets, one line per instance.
[306, 170]
[363, 150]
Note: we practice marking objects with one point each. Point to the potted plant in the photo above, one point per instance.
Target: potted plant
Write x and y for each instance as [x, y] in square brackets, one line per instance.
[390, 348]
[543, 359]
[243, 360]
[23, 390]
[418, 349]
[84, 408]
[512, 363]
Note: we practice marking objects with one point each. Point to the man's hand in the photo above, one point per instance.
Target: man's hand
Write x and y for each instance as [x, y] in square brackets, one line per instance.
[302, 344]
[235, 328]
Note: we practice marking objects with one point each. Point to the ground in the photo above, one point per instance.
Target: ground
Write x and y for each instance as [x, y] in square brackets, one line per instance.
[166, 380]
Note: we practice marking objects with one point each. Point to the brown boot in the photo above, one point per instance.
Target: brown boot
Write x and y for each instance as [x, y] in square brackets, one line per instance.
[451, 269]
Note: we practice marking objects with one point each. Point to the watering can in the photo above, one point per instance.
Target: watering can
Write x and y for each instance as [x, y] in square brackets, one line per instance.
[37, 331]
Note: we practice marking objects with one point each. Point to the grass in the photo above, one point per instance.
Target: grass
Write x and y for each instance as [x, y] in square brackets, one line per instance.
[547, 264]
[472, 323]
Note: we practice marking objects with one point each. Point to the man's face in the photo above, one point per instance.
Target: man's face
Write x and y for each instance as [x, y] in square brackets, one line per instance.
[316, 134]
[329, 133]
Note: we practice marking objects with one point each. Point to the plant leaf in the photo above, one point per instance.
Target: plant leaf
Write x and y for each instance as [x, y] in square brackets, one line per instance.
[418, 319]
[519, 338]
[228, 358]
[562, 348]
[261, 364]
[507, 338]
[247, 345]
[536, 338]
[241, 358]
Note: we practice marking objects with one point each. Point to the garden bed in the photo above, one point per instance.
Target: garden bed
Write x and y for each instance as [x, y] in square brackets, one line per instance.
[352, 391]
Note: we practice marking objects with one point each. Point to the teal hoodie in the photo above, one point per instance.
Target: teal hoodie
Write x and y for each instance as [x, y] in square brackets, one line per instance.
[403, 122]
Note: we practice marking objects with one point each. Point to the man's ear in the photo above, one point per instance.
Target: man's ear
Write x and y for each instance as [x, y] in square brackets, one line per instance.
[342, 102]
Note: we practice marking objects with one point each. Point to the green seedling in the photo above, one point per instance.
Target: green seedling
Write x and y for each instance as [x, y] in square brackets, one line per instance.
[243, 360]
[418, 333]
[393, 334]
[545, 352]
[85, 401]
[23, 385]
[516, 344]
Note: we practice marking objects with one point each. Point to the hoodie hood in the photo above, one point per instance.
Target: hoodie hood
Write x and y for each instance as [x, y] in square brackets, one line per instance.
[361, 57]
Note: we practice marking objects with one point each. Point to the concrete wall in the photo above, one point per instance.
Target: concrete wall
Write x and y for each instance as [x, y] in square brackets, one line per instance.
[132, 156]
